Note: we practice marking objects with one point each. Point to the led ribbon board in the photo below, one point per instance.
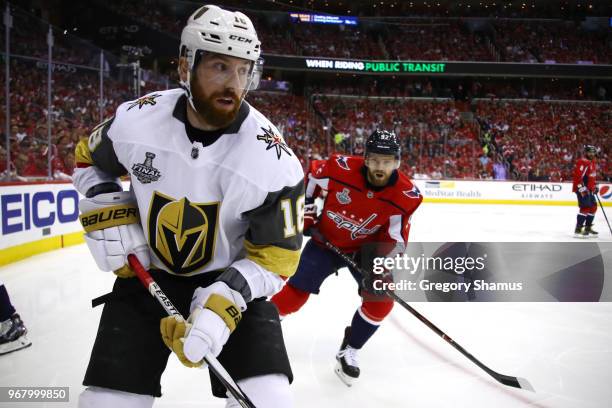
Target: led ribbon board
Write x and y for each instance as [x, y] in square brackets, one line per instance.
[438, 68]
[322, 19]
[376, 66]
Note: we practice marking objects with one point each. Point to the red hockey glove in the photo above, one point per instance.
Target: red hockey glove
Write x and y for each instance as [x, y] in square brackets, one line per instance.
[310, 217]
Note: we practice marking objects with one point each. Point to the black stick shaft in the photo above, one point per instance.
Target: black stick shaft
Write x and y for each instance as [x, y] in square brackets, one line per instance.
[604, 212]
[504, 379]
[213, 364]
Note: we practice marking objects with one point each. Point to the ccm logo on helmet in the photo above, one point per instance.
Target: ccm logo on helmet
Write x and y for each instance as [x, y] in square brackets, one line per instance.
[241, 39]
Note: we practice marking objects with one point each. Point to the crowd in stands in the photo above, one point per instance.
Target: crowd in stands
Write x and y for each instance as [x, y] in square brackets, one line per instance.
[75, 112]
[529, 140]
[462, 89]
[290, 115]
[556, 41]
[275, 40]
[516, 41]
[542, 140]
[561, 41]
[441, 41]
[378, 86]
[157, 17]
[437, 142]
[540, 88]
[28, 37]
[335, 41]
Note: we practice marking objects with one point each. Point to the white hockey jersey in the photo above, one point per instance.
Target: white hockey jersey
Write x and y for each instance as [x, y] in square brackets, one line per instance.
[236, 202]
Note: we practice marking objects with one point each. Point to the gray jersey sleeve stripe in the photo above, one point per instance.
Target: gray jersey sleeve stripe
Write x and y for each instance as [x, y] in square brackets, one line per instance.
[267, 222]
[234, 279]
[104, 156]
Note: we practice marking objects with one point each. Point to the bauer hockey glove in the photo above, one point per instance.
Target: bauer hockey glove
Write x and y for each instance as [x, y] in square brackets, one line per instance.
[215, 310]
[113, 231]
[582, 190]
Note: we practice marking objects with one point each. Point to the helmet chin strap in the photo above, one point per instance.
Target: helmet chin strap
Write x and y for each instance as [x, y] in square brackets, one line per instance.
[186, 85]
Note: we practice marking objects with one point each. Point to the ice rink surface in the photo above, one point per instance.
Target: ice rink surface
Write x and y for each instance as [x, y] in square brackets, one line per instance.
[563, 349]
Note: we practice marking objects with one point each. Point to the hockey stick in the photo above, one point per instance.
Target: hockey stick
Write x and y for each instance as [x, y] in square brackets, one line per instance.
[213, 364]
[604, 212]
[504, 379]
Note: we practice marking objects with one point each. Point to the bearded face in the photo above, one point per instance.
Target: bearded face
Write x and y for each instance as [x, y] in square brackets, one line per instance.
[219, 108]
[218, 85]
[380, 168]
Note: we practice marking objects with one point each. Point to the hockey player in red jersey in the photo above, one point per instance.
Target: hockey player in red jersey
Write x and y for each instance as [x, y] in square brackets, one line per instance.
[367, 201]
[584, 186]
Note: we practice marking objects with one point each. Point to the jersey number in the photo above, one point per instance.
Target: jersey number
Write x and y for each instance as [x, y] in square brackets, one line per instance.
[286, 208]
[96, 136]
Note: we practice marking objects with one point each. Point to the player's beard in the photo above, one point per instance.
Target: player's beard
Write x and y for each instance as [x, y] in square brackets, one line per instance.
[205, 107]
[378, 178]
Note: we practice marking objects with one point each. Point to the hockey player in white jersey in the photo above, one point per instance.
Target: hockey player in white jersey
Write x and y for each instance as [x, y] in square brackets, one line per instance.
[215, 210]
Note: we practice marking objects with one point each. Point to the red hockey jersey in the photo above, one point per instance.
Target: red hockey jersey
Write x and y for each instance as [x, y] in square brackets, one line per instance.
[356, 213]
[585, 173]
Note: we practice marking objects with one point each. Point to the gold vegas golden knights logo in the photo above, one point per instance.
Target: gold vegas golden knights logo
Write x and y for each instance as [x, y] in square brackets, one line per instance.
[181, 233]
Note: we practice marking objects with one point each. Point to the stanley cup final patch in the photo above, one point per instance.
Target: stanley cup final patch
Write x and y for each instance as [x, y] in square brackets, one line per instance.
[344, 197]
[145, 172]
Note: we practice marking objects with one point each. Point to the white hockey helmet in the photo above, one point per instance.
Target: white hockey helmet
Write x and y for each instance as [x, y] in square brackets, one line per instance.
[213, 29]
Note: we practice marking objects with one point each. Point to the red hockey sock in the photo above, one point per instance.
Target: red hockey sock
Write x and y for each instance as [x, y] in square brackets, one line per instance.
[290, 299]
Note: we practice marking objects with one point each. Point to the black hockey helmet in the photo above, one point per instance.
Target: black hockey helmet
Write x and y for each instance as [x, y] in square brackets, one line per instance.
[383, 142]
[591, 149]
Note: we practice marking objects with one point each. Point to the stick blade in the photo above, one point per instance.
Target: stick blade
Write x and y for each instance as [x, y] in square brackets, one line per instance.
[515, 382]
[526, 385]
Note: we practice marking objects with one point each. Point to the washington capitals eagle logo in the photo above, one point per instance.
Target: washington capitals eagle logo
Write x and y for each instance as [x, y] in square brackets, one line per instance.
[342, 162]
[274, 141]
[145, 100]
[412, 193]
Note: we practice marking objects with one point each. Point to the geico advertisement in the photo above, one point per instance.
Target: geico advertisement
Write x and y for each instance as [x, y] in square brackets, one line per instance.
[496, 190]
[32, 212]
